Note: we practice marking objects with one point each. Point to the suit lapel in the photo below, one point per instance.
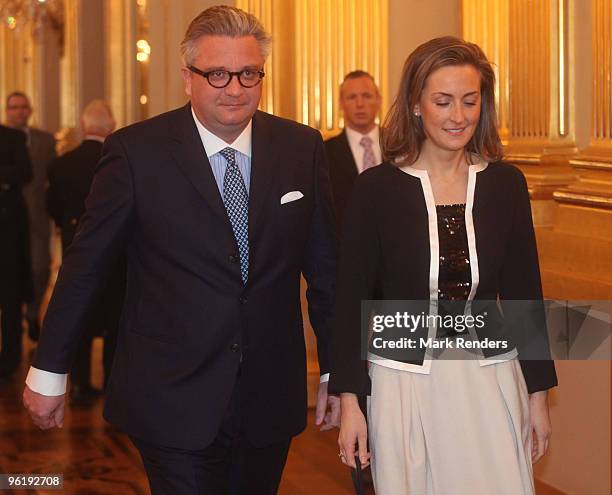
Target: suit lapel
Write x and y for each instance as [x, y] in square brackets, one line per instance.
[349, 166]
[190, 155]
[264, 164]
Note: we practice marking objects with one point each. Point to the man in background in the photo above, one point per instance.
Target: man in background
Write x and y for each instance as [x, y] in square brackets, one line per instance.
[357, 147]
[70, 178]
[15, 270]
[41, 148]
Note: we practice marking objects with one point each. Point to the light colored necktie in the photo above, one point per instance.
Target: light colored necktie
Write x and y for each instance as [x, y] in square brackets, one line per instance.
[369, 160]
[236, 201]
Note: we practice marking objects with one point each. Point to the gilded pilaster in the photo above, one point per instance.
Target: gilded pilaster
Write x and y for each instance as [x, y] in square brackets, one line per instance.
[122, 74]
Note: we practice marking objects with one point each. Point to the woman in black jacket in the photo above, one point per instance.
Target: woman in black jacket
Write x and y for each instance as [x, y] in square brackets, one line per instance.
[444, 221]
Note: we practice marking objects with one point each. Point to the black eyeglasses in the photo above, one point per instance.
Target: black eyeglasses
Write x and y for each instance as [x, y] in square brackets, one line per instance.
[217, 78]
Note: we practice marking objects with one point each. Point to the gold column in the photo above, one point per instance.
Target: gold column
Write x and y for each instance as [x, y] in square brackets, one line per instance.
[70, 66]
[20, 60]
[122, 74]
[576, 261]
[594, 164]
[531, 45]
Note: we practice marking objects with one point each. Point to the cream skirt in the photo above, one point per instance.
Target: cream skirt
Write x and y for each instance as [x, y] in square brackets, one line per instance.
[461, 430]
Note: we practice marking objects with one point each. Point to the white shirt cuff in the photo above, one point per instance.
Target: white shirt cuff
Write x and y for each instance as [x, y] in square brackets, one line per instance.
[46, 382]
[324, 378]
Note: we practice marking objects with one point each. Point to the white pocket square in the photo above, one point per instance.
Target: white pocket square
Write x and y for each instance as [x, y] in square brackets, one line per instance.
[291, 196]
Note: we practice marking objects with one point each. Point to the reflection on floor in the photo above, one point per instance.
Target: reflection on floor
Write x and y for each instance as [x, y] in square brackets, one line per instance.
[97, 459]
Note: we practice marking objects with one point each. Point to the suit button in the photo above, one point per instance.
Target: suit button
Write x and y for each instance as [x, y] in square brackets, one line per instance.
[243, 299]
[234, 347]
[234, 258]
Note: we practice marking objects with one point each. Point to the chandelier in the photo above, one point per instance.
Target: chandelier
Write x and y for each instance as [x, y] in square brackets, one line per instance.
[17, 15]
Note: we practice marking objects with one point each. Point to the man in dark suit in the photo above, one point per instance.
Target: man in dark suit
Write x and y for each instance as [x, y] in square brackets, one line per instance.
[357, 146]
[41, 148]
[15, 268]
[220, 209]
[70, 178]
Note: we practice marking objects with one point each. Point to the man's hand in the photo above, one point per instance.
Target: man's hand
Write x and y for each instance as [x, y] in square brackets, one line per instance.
[46, 411]
[540, 424]
[328, 418]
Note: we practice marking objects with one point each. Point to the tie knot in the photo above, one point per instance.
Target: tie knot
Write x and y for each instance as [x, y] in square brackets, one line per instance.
[228, 153]
[366, 142]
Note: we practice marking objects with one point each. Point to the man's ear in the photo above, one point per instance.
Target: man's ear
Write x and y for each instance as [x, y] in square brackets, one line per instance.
[186, 74]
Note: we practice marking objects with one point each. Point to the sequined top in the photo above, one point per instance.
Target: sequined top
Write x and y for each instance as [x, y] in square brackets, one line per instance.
[455, 279]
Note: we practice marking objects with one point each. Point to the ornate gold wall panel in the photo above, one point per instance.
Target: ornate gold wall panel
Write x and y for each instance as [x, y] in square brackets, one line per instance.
[531, 45]
[316, 42]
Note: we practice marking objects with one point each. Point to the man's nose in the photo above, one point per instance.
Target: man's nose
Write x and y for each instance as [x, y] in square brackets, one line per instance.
[234, 88]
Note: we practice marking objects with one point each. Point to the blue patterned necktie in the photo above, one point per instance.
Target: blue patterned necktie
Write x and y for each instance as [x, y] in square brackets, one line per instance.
[236, 200]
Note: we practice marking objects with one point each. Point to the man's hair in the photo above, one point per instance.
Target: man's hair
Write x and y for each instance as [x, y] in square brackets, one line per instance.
[357, 74]
[97, 118]
[20, 94]
[223, 20]
[403, 133]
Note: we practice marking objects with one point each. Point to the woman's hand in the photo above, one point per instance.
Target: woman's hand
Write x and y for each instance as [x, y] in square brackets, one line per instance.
[540, 424]
[353, 431]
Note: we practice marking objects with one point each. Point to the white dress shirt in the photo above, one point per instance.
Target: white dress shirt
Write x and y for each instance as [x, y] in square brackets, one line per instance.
[354, 139]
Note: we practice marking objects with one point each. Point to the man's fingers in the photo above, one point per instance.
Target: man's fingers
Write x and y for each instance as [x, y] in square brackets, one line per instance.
[59, 416]
[320, 410]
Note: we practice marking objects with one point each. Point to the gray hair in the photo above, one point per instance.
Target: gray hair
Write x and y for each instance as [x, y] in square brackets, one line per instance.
[223, 20]
[98, 118]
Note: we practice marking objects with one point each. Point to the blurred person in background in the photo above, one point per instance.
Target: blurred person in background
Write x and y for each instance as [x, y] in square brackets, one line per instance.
[70, 178]
[41, 148]
[15, 268]
[357, 147]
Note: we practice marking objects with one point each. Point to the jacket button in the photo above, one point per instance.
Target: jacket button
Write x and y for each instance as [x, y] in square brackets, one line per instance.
[234, 347]
[243, 299]
[234, 258]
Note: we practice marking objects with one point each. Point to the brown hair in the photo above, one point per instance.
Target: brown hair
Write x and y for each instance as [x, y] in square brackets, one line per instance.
[223, 20]
[403, 133]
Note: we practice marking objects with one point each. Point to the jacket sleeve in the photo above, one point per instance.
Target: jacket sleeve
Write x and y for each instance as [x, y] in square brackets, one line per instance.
[520, 290]
[357, 275]
[319, 267]
[101, 236]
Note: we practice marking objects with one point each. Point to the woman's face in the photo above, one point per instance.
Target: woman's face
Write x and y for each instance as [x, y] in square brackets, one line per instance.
[450, 107]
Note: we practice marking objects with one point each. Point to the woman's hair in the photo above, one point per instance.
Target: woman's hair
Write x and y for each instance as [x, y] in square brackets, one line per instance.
[403, 133]
[223, 20]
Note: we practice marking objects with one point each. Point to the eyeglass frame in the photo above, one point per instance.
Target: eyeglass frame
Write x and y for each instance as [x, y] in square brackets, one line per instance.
[206, 74]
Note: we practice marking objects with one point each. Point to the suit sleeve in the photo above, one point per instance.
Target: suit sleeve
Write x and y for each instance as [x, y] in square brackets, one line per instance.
[357, 275]
[20, 171]
[101, 236]
[521, 294]
[319, 267]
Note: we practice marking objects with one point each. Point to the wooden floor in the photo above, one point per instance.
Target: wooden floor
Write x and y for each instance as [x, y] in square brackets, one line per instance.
[97, 459]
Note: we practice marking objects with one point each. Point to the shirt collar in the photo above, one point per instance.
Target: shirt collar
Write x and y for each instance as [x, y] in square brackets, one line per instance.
[355, 137]
[213, 144]
[93, 137]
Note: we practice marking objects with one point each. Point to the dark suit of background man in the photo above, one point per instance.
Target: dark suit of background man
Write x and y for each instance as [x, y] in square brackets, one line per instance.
[70, 178]
[220, 208]
[358, 146]
[15, 269]
[41, 148]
